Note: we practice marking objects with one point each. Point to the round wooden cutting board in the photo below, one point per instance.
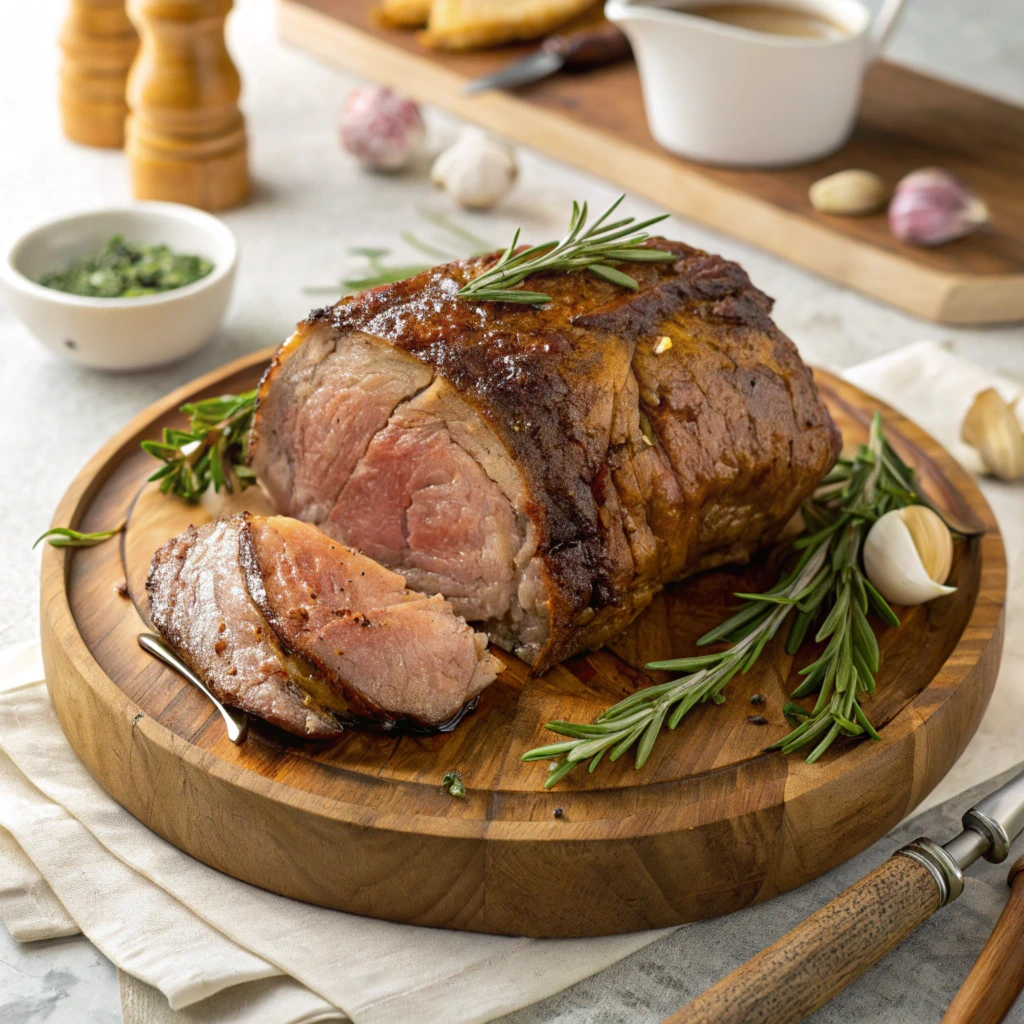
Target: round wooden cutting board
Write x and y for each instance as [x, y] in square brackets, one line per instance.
[711, 823]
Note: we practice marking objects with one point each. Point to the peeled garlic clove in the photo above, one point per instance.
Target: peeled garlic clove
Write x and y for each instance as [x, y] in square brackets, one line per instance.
[908, 554]
[477, 171]
[932, 539]
[991, 426]
[931, 206]
[381, 129]
[849, 193]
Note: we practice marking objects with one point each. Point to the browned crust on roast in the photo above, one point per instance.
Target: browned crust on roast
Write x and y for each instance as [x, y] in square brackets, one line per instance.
[543, 379]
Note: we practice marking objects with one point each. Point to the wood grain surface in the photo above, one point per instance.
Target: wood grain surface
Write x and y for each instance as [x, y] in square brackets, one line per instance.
[996, 979]
[595, 120]
[801, 972]
[710, 825]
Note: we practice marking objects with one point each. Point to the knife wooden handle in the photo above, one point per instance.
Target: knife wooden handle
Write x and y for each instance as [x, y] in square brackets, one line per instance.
[997, 977]
[590, 47]
[791, 979]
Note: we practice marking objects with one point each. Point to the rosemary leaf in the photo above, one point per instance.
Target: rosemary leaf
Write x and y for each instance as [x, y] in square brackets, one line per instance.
[64, 537]
[608, 273]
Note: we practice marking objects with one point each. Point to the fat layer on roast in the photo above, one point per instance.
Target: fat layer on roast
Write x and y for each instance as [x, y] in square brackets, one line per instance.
[548, 470]
[287, 624]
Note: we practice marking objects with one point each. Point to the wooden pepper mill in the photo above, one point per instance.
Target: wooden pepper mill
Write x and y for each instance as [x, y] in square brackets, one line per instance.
[185, 136]
[99, 45]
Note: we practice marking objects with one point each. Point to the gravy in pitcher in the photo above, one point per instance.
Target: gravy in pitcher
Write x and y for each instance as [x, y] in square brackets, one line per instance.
[776, 21]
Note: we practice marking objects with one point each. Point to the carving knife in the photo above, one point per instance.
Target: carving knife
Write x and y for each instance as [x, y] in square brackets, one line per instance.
[578, 51]
[797, 975]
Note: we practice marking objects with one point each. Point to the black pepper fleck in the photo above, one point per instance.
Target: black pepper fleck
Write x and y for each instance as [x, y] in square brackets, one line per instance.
[558, 812]
[757, 699]
[757, 720]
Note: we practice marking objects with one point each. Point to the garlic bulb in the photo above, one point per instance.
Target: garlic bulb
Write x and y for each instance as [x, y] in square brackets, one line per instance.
[908, 554]
[381, 129]
[477, 171]
[931, 206]
[991, 425]
[848, 193]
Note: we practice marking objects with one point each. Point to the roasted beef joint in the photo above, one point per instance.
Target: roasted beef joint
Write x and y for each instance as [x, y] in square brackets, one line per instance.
[287, 624]
[547, 470]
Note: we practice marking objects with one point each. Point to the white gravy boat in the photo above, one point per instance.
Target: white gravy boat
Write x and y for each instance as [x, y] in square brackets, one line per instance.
[726, 95]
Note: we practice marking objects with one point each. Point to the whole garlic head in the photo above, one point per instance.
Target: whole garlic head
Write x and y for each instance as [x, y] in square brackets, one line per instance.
[477, 171]
[992, 427]
[908, 554]
[381, 129]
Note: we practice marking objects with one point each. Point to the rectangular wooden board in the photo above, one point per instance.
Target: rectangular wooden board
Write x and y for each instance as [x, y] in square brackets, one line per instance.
[595, 121]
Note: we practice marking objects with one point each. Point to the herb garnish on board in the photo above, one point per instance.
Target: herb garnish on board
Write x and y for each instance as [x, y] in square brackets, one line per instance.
[212, 451]
[825, 584]
[64, 537]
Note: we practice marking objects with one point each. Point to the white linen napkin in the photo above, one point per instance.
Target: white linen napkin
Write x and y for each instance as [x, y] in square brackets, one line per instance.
[196, 946]
[192, 932]
[935, 388]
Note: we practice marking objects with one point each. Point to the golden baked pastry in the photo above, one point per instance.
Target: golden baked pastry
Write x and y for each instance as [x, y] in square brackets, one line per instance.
[404, 13]
[473, 24]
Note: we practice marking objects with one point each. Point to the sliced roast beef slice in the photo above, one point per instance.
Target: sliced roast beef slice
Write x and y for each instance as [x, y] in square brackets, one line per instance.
[390, 652]
[199, 601]
[634, 463]
[288, 625]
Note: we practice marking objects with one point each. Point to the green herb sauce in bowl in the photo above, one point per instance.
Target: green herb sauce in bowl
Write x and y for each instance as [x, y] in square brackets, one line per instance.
[99, 301]
[124, 270]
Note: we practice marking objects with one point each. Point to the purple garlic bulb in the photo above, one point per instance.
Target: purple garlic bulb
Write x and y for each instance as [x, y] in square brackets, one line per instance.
[381, 129]
[932, 206]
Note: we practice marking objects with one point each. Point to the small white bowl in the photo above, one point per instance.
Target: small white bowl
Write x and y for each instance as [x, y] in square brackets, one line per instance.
[128, 333]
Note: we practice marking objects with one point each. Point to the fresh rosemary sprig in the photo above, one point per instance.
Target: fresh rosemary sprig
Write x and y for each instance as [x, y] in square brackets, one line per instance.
[64, 537]
[826, 579]
[857, 492]
[212, 451]
[455, 243]
[599, 249]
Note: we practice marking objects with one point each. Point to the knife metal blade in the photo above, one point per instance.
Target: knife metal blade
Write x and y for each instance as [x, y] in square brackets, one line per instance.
[587, 48]
[521, 72]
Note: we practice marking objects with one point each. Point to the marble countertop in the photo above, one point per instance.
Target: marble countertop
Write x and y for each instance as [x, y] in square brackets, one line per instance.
[310, 204]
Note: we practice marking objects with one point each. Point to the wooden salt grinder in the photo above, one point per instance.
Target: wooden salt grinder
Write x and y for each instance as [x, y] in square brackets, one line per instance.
[185, 136]
[98, 44]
